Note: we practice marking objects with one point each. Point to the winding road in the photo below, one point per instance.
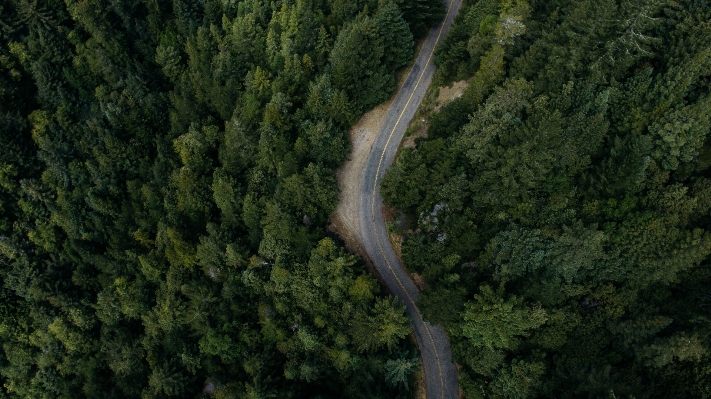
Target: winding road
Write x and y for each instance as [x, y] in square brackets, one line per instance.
[440, 372]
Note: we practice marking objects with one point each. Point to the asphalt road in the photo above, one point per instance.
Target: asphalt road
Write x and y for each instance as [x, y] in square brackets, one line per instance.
[440, 372]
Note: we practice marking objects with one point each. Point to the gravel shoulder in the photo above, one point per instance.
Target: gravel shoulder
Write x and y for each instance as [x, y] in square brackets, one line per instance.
[344, 220]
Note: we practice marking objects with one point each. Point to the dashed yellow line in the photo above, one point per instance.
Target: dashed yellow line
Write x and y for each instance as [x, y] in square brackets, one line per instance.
[375, 186]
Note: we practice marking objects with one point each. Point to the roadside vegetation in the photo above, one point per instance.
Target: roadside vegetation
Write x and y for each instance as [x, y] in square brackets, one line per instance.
[559, 209]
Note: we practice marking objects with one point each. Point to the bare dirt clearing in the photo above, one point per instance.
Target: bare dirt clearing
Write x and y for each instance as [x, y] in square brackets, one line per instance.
[449, 93]
[344, 220]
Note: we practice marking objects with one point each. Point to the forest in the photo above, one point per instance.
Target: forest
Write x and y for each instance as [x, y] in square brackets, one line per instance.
[559, 210]
[166, 175]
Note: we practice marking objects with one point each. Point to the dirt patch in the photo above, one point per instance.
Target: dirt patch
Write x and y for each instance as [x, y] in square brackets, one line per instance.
[449, 93]
[421, 121]
[388, 213]
[396, 242]
[418, 280]
[420, 387]
[344, 220]
[434, 100]
[410, 141]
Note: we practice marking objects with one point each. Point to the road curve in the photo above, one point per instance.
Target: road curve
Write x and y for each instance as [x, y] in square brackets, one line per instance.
[440, 373]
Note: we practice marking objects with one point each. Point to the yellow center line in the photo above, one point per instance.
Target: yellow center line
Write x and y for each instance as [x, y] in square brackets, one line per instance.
[375, 186]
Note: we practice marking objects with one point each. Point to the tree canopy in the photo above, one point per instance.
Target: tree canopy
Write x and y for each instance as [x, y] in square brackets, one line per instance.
[560, 208]
[166, 175]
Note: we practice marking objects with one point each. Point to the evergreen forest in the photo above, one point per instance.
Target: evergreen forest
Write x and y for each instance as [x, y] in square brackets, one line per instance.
[166, 175]
[559, 211]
